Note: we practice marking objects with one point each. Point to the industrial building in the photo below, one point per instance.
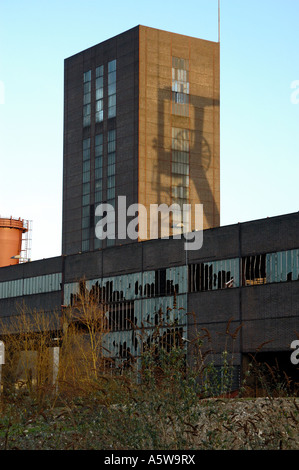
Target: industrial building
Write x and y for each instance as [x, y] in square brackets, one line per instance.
[142, 121]
[247, 272]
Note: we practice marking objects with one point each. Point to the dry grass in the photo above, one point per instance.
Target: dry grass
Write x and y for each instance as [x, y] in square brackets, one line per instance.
[78, 404]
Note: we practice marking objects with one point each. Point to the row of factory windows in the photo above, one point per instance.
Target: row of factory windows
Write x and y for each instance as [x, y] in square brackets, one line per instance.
[135, 300]
[250, 270]
[162, 282]
[31, 285]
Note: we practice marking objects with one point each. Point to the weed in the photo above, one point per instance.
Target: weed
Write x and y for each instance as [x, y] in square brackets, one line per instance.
[165, 400]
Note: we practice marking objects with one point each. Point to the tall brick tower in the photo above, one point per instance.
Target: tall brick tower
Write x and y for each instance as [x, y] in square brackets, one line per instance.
[141, 120]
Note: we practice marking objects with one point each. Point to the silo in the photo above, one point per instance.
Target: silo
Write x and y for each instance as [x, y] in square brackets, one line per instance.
[11, 232]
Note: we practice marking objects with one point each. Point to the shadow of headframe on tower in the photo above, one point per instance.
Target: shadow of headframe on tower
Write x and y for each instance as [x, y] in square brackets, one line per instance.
[198, 145]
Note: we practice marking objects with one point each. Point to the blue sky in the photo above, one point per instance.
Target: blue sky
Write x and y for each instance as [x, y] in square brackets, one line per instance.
[259, 118]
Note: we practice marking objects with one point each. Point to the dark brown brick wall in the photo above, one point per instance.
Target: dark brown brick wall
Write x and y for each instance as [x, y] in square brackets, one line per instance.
[268, 313]
[123, 48]
[143, 123]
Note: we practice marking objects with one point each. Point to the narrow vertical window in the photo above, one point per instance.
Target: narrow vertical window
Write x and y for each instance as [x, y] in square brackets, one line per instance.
[99, 93]
[98, 167]
[112, 89]
[180, 171]
[111, 172]
[98, 178]
[180, 86]
[86, 98]
[111, 168]
[86, 195]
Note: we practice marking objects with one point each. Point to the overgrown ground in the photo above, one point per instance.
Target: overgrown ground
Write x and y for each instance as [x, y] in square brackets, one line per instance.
[161, 403]
[215, 424]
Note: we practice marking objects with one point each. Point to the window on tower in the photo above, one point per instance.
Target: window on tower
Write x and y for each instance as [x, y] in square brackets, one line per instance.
[180, 86]
[86, 98]
[86, 195]
[100, 93]
[112, 89]
[180, 171]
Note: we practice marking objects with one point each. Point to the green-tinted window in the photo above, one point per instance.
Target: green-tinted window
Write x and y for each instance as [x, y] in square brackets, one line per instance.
[180, 86]
[87, 98]
[112, 89]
